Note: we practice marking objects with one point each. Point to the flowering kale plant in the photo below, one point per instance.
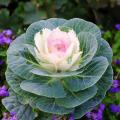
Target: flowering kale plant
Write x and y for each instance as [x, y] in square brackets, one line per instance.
[60, 67]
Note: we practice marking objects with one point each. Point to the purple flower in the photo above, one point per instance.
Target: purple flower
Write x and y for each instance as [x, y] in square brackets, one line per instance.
[117, 62]
[1, 62]
[6, 37]
[71, 117]
[8, 32]
[2, 39]
[8, 40]
[13, 116]
[9, 116]
[55, 118]
[117, 26]
[3, 91]
[115, 87]
[114, 108]
[96, 113]
[12, 113]
[102, 107]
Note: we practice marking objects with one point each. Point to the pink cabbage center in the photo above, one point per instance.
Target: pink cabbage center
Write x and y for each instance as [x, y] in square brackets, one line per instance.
[58, 43]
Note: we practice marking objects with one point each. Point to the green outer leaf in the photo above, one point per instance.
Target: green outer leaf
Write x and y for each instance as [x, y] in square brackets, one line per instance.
[56, 21]
[88, 45]
[74, 99]
[35, 101]
[103, 85]
[17, 63]
[37, 71]
[14, 82]
[90, 75]
[80, 25]
[52, 88]
[23, 112]
[105, 50]
[49, 106]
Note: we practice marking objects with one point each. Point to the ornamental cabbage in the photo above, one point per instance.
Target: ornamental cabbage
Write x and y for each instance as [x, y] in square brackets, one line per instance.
[58, 67]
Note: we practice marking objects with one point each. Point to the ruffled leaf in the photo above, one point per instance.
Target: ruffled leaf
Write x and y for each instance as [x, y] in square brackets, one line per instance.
[23, 112]
[80, 25]
[103, 85]
[105, 50]
[90, 75]
[77, 98]
[88, 46]
[52, 88]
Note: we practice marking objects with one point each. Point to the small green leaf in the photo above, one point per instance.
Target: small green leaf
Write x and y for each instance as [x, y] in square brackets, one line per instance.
[65, 29]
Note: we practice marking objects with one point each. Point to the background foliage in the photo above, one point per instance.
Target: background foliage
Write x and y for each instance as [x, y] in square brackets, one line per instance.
[18, 14]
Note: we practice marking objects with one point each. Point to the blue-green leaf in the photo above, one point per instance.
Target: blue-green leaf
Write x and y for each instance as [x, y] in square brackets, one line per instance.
[56, 21]
[80, 25]
[35, 101]
[49, 106]
[105, 50]
[23, 112]
[103, 85]
[88, 46]
[49, 88]
[77, 98]
[16, 62]
[90, 75]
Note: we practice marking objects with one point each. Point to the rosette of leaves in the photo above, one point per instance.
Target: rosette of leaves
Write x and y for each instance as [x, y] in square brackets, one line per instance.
[61, 93]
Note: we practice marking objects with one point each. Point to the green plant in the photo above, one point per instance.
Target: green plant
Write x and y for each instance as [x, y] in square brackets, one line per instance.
[60, 93]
